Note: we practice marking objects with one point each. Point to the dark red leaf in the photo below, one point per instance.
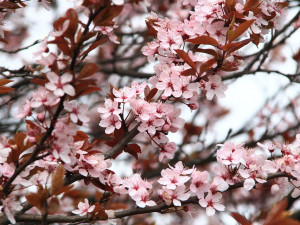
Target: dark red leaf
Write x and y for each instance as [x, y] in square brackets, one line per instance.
[240, 219]
[4, 90]
[208, 51]
[240, 30]
[4, 81]
[231, 47]
[151, 94]
[276, 212]
[133, 149]
[9, 5]
[94, 45]
[88, 70]
[205, 40]
[207, 65]
[183, 55]
[188, 72]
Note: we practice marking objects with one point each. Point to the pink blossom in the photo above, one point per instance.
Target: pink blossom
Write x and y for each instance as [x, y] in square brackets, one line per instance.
[173, 121]
[60, 85]
[77, 112]
[174, 196]
[8, 205]
[24, 111]
[61, 149]
[43, 97]
[123, 95]
[151, 125]
[150, 50]
[7, 170]
[252, 176]
[296, 191]
[184, 88]
[5, 149]
[93, 164]
[214, 86]
[180, 169]
[110, 108]
[167, 151]
[84, 208]
[111, 123]
[212, 203]
[171, 179]
[136, 184]
[47, 60]
[199, 183]
[230, 153]
[138, 88]
[142, 108]
[142, 199]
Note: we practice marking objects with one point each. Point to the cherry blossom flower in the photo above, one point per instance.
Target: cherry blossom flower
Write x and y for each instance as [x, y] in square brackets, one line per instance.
[123, 95]
[230, 153]
[5, 149]
[143, 109]
[84, 208]
[24, 111]
[252, 176]
[174, 196]
[167, 151]
[180, 169]
[212, 203]
[8, 205]
[214, 86]
[136, 184]
[111, 123]
[77, 112]
[60, 85]
[199, 183]
[138, 88]
[171, 179]
[150, 50]
[110, 108]
[142, 199]
[296, 191]
[151, 125]
[7, 170]
[47, 60]
[43, 97]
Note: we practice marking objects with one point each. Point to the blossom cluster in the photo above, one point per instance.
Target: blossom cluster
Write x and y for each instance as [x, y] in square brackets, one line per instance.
[208, 19]
[156, 118]
[179, 77]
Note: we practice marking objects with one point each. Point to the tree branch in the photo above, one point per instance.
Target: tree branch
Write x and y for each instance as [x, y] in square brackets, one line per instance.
[121, 214]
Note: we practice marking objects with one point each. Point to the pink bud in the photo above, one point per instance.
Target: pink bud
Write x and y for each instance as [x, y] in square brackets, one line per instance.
[193, 106]
[41, 117]
[32, 140]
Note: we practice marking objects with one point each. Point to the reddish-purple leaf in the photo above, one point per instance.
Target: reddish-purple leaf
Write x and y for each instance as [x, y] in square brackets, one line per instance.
[57, 179]
[231, 47]
[240, 219]
[188, 72]
[208, 51]
[207, 65]
[240, 30]
[88, 70]
[183, 55]
[94, 45]
[4, 90]
[205, 40]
